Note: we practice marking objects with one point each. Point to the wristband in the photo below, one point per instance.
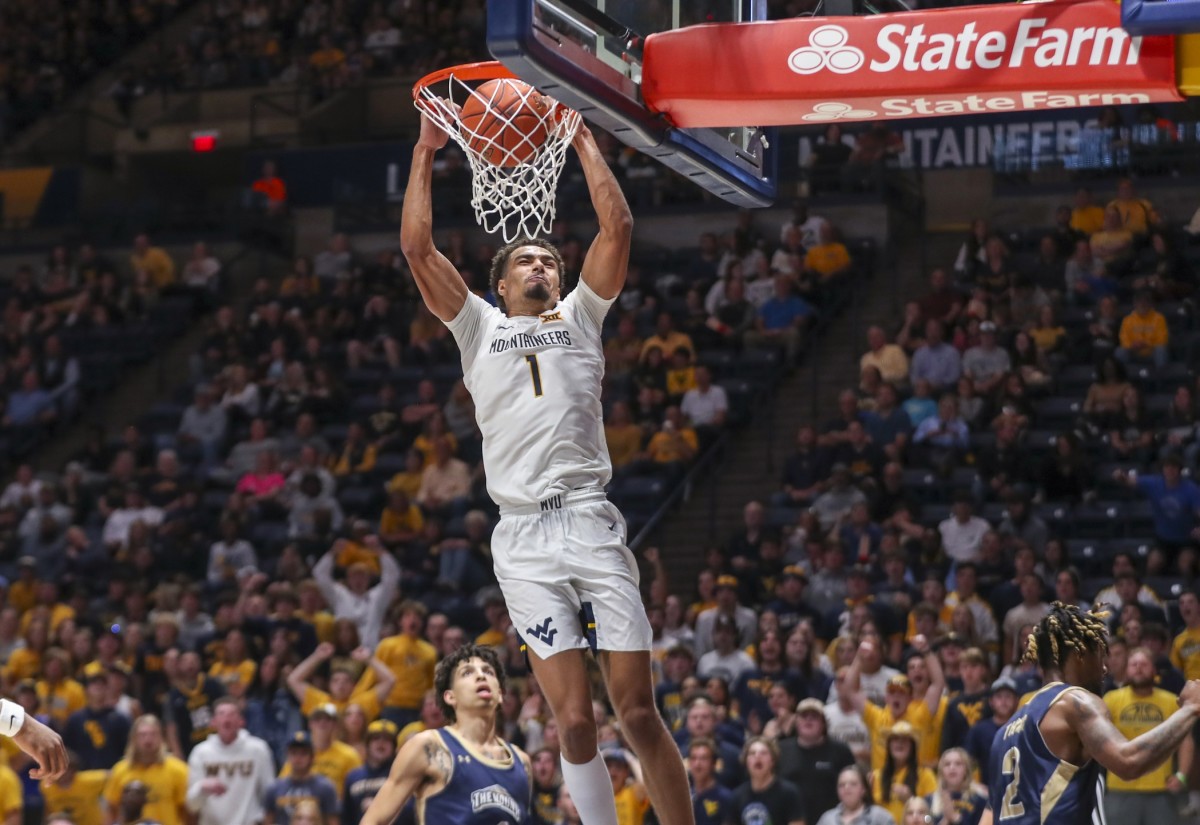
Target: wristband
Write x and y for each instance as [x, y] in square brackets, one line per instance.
[1182, 777]
[12, 717]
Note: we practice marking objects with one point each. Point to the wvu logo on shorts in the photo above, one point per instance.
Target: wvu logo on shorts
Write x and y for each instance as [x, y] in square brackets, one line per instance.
[544, 632]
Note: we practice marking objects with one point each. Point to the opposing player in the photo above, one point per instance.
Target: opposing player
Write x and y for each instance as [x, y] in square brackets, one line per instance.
[534, 368]
[1045, 761]
[35, 739]
[463, 773]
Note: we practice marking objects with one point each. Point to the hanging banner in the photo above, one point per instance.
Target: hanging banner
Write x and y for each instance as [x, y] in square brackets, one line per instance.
[977, 59]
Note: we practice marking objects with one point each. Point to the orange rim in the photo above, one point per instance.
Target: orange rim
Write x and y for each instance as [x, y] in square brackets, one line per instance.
[485, 70]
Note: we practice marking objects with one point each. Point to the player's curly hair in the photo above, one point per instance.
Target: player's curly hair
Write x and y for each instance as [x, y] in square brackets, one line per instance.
[443, 675]
[500, 264]
[1065, 630]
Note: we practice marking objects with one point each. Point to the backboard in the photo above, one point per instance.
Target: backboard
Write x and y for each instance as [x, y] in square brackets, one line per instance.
[587, 55]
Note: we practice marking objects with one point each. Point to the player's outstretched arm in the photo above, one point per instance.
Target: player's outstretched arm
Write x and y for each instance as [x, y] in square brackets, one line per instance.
[441, 286]
[607, 259]
[45, 746]
[1130, 758]
[422, 759]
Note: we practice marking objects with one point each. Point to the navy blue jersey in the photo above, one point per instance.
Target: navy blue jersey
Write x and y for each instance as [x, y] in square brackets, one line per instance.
[480, 791]
[1029, 785]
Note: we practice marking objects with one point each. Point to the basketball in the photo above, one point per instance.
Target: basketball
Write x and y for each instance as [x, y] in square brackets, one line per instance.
[504, 122]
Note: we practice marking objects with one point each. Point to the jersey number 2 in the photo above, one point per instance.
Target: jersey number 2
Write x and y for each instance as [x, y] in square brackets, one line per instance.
[1011, 766]
[535, 374]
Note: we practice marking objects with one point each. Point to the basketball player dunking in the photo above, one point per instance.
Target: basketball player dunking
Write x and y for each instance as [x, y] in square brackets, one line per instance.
[1045, 762]
[463, 773]
[534, 368]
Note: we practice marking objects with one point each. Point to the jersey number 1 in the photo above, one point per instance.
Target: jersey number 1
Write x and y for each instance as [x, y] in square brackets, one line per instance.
[535, 374]
[1011, 766]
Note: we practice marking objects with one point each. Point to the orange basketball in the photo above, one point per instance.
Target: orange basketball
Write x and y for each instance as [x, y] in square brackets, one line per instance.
[504, 122]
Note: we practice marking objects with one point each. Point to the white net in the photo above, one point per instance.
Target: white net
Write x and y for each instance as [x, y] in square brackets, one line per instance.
[512, 187]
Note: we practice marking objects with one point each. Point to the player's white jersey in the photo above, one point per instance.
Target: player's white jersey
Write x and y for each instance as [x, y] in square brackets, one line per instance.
[536, 382]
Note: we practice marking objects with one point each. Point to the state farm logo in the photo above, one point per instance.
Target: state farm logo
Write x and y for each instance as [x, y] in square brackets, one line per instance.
[826, 49]
[921, 48]
[824, 112]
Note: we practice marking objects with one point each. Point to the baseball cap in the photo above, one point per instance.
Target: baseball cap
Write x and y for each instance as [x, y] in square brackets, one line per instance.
[616, 755]
[727, 580]
[382, 727]
[1004, 683]
[795, 571]
[326, 709]
[811, 705]
[902, 728]
[899, 682]
[300, 739]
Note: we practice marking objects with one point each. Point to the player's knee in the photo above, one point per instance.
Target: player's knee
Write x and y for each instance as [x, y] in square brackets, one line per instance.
[577, 733]
[639, 719]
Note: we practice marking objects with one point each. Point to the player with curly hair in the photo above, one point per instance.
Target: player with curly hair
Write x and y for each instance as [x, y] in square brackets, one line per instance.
[1045, 762]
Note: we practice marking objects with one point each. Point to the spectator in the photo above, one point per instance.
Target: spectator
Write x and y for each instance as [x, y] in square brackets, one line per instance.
[1112, 246]
[966, 580]
[219, 797]
[711, 802]
[838, 499]
[147, 761]
[335, 260]
[1137, 215]
[188, 709]
[936, 361]
[901, 704]
[270, 189]
[986, 364]
[804, 472]
[705, 405]
[674, 446]
[854, 802]
[202, 271]
[1143, 335]
[957, 799]
[901, 777]
[97, 734]
[1003, 704]
[886, 357]
[445, 483]
[357, 600]
[1174, 502]
[1029, 612]
[726, 606]
[666, 338]
[31, 404]
[828, 259]
[153, 262]
[701, 725]
[203, 424]
[812, 761]
[973, 252]
[299, 785]
[765, 794]
[1087, 217]
[943, 438]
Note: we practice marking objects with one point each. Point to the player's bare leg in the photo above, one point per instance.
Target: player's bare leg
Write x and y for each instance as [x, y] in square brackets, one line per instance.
[627, 677]
[563, 679]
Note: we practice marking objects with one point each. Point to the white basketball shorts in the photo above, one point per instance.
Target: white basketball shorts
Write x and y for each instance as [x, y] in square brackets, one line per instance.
[567, 577]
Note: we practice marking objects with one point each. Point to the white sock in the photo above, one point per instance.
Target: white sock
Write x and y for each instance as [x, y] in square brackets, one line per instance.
[591, 790]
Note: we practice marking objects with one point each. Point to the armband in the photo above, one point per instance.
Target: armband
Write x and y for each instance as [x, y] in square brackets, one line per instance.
[12, 717]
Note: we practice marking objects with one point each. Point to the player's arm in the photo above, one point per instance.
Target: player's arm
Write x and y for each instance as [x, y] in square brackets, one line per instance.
[422, 759]
[1087, 714]
[441, 286]
[607, 259]
[36, 740]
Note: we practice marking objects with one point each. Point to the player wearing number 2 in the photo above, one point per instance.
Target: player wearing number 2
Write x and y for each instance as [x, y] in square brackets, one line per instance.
[1045, 762]
[534, 368]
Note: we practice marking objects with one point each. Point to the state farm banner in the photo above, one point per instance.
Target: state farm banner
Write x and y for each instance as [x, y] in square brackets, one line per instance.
[976, 59]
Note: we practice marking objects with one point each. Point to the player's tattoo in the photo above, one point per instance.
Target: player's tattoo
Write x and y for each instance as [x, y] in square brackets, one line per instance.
[439, 761]
[1126, 758]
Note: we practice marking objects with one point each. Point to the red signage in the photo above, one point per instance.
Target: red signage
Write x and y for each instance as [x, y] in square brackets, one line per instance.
[1004, 58]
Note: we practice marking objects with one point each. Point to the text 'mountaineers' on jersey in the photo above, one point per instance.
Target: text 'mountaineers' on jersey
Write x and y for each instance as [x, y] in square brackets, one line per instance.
[536, 384]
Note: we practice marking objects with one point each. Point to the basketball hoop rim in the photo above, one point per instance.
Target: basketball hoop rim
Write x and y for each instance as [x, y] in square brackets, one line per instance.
[483, 70]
